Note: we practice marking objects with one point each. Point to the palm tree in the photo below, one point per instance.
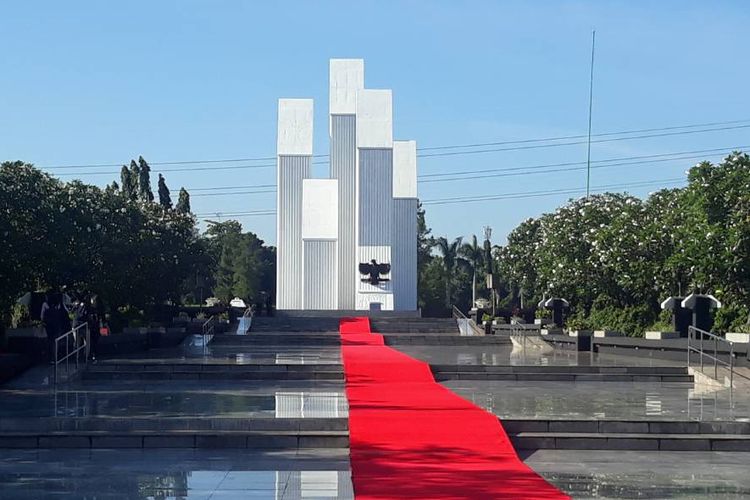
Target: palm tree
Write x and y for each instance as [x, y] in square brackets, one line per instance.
[451, 258]
[474, 255]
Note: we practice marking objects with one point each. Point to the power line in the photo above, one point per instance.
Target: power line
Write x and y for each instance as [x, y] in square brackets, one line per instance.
[673, 130]
[530, 167]
[591, 108]
[532, 194]
[477, 199]
[525, 170]
[574, 143]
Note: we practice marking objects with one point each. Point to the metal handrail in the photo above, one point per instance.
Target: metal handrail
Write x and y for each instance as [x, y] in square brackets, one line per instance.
[693, 335]
[208, 330]
[519, 330]
[458, 315]
[80, 343]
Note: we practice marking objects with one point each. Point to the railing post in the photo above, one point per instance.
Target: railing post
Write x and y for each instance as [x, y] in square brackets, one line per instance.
[716, 359]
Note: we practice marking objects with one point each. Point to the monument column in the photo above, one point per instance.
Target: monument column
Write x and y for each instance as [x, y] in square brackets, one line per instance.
[374, 192]
[346, 77]
[294, 149]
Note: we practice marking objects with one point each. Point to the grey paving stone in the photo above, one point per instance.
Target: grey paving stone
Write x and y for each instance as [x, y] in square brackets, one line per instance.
[623, 427]
[219, 441]
[694, 444]
[169, 441]
[117, 442]
[581, 443]
[64, 442]
[18, 442]
[573, 426]
[632, 444]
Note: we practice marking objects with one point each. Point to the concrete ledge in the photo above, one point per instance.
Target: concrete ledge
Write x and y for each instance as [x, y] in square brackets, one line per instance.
[739, 338]
[601, 334]
[661, 335]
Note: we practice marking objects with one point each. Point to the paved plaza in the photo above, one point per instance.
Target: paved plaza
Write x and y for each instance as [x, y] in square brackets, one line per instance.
[168, 423]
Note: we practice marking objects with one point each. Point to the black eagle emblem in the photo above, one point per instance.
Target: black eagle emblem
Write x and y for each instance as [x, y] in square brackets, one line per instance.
[374, 271]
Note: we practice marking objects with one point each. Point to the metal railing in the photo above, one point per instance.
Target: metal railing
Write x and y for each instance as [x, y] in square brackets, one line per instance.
[696, 343]
[466, 325]
[76, 344]
[207, 331]
[520, 332]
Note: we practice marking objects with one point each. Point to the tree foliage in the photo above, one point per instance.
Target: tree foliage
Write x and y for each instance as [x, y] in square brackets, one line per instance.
[615, 257]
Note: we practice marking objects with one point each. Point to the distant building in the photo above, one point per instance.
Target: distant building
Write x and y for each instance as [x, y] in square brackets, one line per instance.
[329, 231]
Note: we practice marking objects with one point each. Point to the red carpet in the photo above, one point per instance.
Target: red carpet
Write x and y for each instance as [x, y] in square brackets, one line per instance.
[412, 438]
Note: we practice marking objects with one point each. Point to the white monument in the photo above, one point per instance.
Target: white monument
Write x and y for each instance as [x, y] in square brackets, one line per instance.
[348, 242]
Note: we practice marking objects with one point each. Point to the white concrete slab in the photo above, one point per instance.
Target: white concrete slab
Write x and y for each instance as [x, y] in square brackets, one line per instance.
[374, 118]
[346, 77]
[404, 169]
[320, 209]
[295, 127]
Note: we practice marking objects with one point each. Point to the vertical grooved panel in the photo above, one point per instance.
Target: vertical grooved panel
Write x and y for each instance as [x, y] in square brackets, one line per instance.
[375, 196]
[404, 254]
[320, 266]
[343, 165]
[292, 169]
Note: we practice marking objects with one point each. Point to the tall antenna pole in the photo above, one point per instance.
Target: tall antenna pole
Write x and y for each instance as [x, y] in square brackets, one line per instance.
[591, 107]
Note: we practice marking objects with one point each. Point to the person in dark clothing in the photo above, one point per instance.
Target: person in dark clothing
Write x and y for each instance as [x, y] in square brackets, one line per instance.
[56, 322]
[95, 317]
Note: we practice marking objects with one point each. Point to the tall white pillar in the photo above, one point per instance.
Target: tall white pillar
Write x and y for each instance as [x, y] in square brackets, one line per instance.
[346, 77]
[294, 149]
[404, 240]
[320, 231]
[374, 132]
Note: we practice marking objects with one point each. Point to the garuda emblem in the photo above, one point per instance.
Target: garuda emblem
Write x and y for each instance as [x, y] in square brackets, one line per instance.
[374, 271]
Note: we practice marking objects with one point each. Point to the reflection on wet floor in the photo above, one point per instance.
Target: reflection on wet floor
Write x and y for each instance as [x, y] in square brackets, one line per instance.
[604, 400]
[219, 354]
[184, 474]
[505, 355]
[163, 404]
[652, 475]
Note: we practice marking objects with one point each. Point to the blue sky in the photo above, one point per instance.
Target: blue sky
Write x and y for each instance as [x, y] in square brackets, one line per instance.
[103, 82]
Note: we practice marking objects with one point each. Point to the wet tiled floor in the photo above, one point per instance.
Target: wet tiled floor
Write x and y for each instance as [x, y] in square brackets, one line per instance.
[604, 400]
[504, 355]
[647, 475]
[189, 474]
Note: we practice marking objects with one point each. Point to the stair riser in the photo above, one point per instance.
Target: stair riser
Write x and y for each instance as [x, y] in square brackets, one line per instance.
[52, 425]
[626, 427]
[566, 377]
[182, 441]
[648, 444]
[214, 376]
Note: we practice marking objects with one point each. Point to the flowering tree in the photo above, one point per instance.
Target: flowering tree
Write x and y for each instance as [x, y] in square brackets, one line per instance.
[614, 256]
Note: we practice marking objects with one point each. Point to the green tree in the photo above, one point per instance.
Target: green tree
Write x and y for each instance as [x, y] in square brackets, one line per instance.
[129, 183]
[474, 255]
[450, 259]
[164, 199]
[144, 181]
[183, 201]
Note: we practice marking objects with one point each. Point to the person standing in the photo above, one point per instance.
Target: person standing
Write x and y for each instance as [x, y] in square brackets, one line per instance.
[56, 322]
[95, 315]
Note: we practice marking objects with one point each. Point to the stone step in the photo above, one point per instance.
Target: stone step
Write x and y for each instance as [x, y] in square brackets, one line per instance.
[570, 369]
[221, 368]
[152, 423]
[563, 377]
[235, 374]
[279, 440]
[456, 340]
[718, 427]
[281, 339]
[629, 441]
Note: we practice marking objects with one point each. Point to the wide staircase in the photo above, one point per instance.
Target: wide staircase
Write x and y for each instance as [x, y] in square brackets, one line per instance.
[281, 387]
